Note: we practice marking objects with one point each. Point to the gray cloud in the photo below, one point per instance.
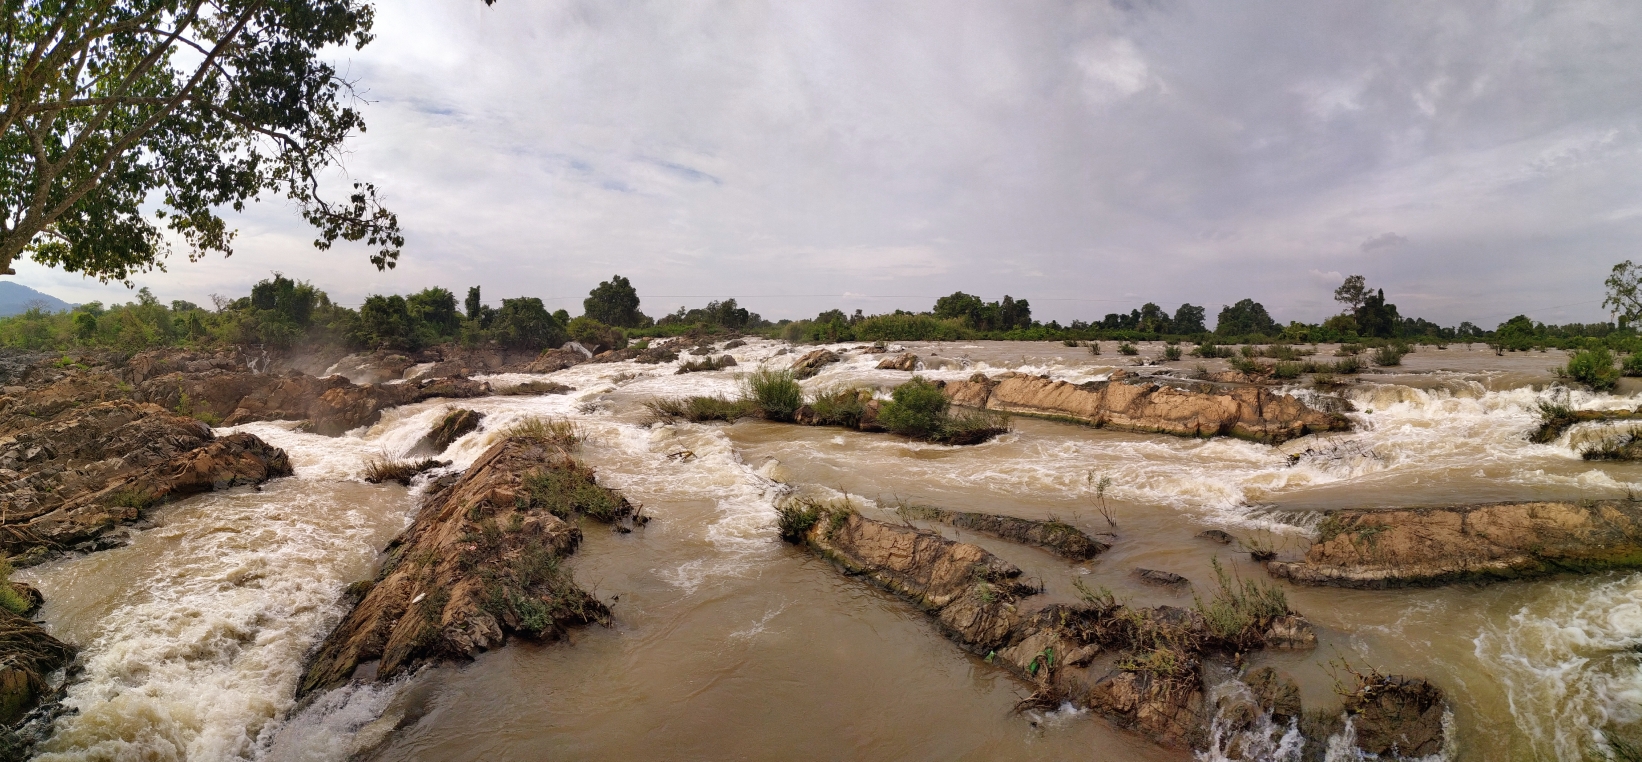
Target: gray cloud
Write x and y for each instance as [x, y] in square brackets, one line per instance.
[1384, 241]
[1071, 153]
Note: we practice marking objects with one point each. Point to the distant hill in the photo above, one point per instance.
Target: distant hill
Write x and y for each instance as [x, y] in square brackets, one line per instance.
[16, 297]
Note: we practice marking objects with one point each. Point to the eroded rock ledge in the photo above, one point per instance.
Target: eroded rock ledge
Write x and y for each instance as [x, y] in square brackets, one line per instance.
[1057, 537]
[1246, 412]
[1469, 543]
[481, 562]
[1140, 667]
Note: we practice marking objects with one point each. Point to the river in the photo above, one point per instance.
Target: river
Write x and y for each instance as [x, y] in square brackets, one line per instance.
[728, 644]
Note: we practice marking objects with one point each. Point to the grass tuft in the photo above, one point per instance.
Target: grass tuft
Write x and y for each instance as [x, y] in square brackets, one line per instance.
[556, 432]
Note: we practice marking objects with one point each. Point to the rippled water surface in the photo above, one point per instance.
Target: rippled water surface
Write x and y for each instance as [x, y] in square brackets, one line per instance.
[728, 644]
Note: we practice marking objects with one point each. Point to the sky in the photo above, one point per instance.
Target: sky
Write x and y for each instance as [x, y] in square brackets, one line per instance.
[1475, 160]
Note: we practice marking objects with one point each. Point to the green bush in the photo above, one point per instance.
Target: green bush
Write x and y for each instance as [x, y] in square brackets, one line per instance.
[1389, 355]
[775, 393]
[1171, 352]
[905, 327]
[1632, 365]
[916, 409]
[1593, 367]
[701, 409]
[1127, 349]
[596, 336]
[795, 518]
[841, 407]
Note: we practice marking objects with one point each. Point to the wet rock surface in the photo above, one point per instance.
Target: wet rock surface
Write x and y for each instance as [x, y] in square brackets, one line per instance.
[905, 362]
[1246, 412]
[28, 654]
[812, 363]
[480, 563]
[1442, 545]
[452, 426]
[1141, 668]
[1057, 537]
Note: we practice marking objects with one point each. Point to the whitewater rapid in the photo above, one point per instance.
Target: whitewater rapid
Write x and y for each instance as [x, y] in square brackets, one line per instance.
[194, 636]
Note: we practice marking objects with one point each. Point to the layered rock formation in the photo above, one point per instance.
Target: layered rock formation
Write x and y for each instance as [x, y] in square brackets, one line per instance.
[1246, 412]
[812, 363]
[1057, 537]
[1433, 546]
[481, 562]
[27, 656]
[1139, 667]
[330, 405]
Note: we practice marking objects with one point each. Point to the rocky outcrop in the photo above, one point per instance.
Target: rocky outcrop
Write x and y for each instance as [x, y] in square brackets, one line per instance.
[970, 592]
[1469, 543]
[28, 654]
[1246, 412]
[481, 562]
[1057, 537]
[1397, 715]
[812, 363]
[980, 602]
[84, 516]
[906, 361]
[331, 405]
[452, 426]
[1555, 419]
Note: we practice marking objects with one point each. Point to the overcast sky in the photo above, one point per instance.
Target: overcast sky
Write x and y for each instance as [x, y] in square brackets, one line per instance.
[1475, 160]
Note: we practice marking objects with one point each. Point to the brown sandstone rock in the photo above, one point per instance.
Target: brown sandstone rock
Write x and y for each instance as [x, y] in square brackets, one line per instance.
[1433, 546]
[1246, 412]
[1057, 537]
[451, 427]
[1393, 714]
[907, 362]
[811, 364]
[1168, 711]
[480, 562]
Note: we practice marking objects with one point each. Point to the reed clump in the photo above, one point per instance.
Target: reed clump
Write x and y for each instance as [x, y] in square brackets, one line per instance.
[381, 469]
[556, 432]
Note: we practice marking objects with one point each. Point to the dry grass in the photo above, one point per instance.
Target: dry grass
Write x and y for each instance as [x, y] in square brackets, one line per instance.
[384, 469]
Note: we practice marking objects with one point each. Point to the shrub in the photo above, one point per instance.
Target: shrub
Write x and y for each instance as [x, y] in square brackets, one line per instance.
[795, 518]
[1349, 350]
[910, 328]
[1390, 355]
[1127, 349]
[966, 426]
[841, 407]
[916, 409]
[775, 393]
[1246, 366]
[1287, 369]
[1240, 605]
[557, 432]
[1632, 365]
[10, 599]
[1094, 348]
[1348, 366]
[1593, 367]
[1208, 351]
[700, 409]
[382, 469]
[569, 489]
[596, 336]
[1283, 352]
[1171, 352]
[524, 323]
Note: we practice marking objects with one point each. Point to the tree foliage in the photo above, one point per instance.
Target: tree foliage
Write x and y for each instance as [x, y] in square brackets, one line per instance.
[984, 316]
[110, 103]
[1624, 297]
[1352, 293]
[615, 303]
[1244, 318]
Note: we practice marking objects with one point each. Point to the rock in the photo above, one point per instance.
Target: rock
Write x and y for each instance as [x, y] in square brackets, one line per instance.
[906, 362]
[1216, 535]
[554, 360]
[232, 461]
[480, 563]
[1168, 711]
[451, 427]
[734, 344]
[535, 387]
[1398, 715]
[1057, 537]
[1239, 732]
[811, 364]
[869, 417]
[1246, 412]
[371, 367]
[969, 591]
[27, 655]
[1290, 633]
[1469, 543]
[1156, 577]
[1275, 692]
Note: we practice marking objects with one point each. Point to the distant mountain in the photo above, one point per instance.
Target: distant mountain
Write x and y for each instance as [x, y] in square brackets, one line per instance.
[16, 297]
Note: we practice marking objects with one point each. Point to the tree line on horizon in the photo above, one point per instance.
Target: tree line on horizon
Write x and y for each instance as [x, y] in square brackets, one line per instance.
[281, 312]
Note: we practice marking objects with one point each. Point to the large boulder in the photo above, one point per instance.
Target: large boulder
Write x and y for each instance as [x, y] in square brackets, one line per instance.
[812, 363]
[906, 361]
[1246, 412]
[451, 427]
[28, 654]
[1469, 543]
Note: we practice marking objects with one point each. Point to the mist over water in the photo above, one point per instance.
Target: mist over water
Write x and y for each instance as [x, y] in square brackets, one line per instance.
[728, 644]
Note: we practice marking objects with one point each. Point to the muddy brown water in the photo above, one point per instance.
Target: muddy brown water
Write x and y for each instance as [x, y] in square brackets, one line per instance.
[728, 644]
